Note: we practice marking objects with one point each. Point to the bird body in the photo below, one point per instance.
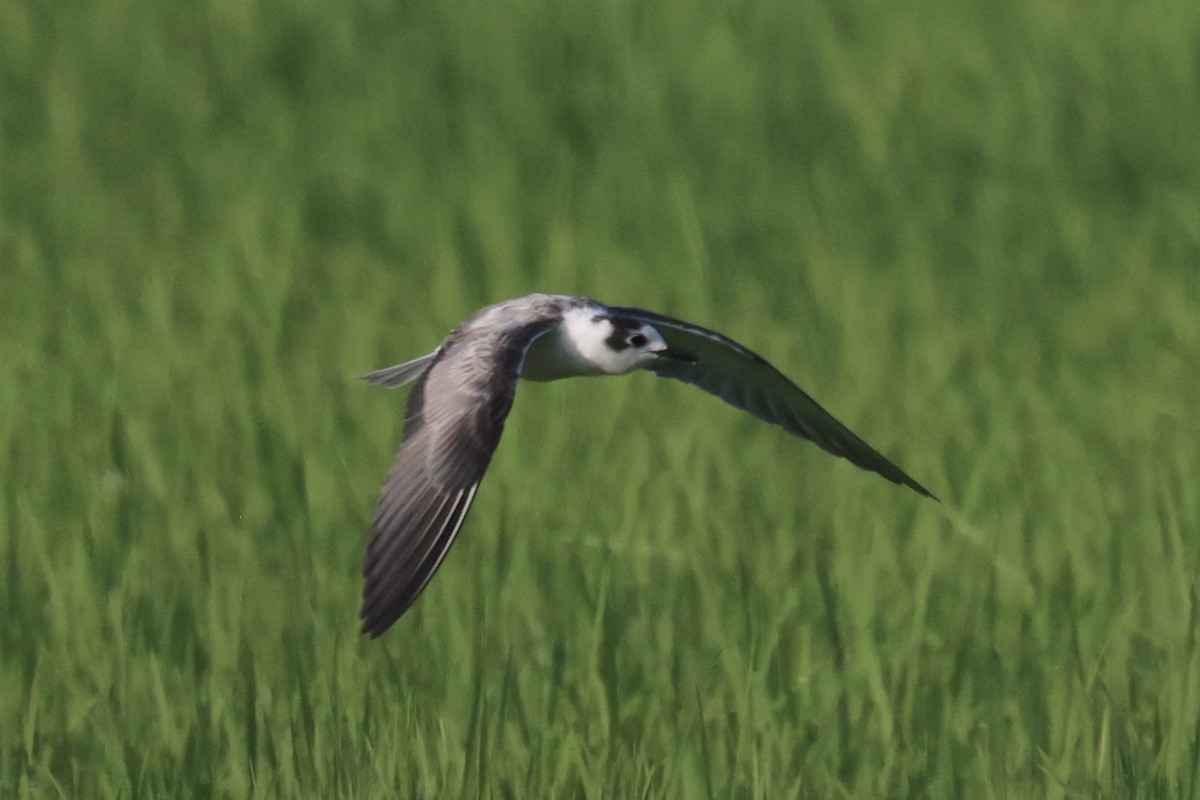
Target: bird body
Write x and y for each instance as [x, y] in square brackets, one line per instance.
[465, 388]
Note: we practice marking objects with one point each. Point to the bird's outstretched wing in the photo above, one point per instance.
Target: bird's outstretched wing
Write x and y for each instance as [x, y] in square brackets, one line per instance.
[456, 414]
[744, 379]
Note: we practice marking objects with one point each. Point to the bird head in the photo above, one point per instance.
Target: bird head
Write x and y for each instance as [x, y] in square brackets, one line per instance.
[615, 344]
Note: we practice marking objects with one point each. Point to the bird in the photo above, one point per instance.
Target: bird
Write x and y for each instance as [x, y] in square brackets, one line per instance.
[464, 390]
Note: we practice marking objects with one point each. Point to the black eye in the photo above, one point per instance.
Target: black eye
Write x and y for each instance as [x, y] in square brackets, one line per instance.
[637, 340]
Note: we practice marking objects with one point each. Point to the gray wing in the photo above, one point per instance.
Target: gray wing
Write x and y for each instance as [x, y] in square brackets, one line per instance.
[425, 499]
[455, 416]
[747, 381]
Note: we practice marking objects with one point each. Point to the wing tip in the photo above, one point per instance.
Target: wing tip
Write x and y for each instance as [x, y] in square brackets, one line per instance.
[374, 628]
[921, 490]
[378, 619]
[898, 476]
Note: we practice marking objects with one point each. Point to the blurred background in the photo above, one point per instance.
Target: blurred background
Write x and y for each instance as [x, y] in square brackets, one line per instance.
[971, 230]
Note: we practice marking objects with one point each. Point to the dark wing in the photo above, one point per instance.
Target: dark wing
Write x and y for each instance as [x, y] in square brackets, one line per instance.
[456, 414]
[745, 380]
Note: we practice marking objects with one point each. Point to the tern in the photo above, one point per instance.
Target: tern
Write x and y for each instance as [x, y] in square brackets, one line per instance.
[464, 390]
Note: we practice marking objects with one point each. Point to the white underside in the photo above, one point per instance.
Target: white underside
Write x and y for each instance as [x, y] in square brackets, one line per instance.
[553, 356]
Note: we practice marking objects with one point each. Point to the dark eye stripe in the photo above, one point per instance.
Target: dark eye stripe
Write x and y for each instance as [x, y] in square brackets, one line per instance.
[616, 340]
[626, 331]
[626, 323]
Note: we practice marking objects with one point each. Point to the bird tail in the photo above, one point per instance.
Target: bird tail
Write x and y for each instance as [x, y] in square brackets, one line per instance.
[400, 374]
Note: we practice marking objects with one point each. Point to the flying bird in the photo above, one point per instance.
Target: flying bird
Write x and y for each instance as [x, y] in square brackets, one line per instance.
[464, 390]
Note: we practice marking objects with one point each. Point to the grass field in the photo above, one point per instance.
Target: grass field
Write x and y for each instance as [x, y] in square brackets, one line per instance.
[971, 230]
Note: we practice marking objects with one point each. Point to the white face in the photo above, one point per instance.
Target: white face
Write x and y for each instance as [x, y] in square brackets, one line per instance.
[612, 345]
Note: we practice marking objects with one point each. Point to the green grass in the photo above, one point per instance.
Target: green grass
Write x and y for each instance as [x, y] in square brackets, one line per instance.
[971, 230]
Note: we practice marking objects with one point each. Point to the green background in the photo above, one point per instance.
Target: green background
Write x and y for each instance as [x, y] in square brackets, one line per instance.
[971, 230]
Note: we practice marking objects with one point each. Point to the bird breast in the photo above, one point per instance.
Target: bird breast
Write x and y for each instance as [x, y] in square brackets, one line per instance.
[553, 356]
